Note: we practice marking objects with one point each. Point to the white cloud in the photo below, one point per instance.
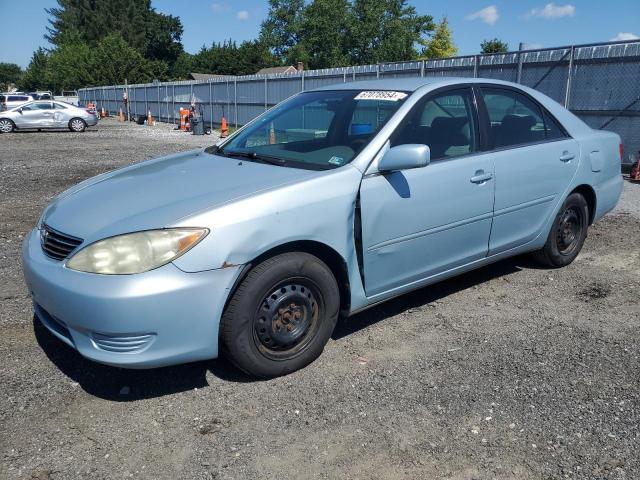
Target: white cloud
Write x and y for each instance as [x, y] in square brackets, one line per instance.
[243, 15]
[488, 15]
[625, 36]
[552, 11]
[220, 7]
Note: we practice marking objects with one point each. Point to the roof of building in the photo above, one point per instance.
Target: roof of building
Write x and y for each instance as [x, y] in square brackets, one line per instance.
[206, 76]
[283, 69]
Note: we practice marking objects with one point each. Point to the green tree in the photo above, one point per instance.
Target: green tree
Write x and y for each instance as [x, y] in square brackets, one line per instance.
[155, 35]
[35, 76]
[386, 31]
[324, 34]
[281, 31]
[494, 46]
[441, 44]
[70, 65]
[10, 74]
[114, 61]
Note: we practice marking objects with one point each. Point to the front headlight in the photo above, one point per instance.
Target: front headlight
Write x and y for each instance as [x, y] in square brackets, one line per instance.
[136, 252]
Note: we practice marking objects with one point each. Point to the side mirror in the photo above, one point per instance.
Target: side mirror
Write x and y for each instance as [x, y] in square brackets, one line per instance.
[20, 110]
[404, 157]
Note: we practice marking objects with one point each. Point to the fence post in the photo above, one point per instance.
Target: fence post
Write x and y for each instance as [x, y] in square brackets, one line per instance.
[377, 70]
[476, 59]
[235, 100]
[266, 90]
[567, 94]
[173, 101]
[146, 101]
[423, 65]
[159, 112]
[302, 77]
[519, 74]
[210, 104]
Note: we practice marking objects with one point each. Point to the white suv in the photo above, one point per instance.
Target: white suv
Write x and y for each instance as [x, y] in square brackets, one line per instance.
[10, 100]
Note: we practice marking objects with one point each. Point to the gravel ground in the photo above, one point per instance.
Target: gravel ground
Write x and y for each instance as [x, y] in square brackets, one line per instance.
[509, 372]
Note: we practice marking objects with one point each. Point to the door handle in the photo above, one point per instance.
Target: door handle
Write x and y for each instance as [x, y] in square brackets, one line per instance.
[481, 177]
[567, 156]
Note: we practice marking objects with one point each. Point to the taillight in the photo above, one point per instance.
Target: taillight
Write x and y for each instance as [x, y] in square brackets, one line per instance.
[621, 152]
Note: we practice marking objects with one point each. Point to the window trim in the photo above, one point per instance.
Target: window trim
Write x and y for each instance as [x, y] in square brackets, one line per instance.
[468, 87]
[486, 121]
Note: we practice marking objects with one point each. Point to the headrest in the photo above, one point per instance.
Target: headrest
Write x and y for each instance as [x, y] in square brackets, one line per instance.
[450, 131]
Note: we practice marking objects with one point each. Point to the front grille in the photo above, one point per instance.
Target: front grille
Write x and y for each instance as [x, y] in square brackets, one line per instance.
[57, 245]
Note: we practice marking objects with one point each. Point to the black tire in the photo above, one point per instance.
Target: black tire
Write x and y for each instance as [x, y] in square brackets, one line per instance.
[567, 235]
[6, 125]
[299, 295]
[77, 125]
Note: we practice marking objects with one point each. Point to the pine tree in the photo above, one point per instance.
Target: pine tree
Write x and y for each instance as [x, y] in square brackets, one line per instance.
[441, 44]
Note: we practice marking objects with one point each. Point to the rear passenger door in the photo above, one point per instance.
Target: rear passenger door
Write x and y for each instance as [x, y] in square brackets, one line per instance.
[534, 160]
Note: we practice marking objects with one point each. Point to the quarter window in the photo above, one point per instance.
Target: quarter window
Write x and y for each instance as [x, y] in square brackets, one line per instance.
[444, 122]
[552, 129]
[515, 120]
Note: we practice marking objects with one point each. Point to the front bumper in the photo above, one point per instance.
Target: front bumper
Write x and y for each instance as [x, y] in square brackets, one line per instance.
[157, 318]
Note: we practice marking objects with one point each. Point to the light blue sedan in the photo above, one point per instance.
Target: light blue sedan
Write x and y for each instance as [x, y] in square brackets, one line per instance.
[333, 201]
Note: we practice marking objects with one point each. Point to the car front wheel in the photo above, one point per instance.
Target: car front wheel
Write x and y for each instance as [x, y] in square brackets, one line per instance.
[567, 235]
[77, 125]
[6, 125]
[281, 315]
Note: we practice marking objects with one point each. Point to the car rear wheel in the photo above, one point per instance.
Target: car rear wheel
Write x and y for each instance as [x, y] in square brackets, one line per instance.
[567, 235]
[281, 315]
[6, 125]
[77, 125]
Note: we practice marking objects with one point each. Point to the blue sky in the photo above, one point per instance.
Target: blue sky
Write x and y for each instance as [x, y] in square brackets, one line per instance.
[536, 23]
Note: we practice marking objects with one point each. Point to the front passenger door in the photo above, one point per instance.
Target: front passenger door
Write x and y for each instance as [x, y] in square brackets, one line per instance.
[422, 222]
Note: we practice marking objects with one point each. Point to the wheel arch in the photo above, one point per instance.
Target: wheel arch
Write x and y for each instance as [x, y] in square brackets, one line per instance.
[589, 195]
[324, 252]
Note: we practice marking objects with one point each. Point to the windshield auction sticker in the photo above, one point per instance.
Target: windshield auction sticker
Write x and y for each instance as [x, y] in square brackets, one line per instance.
[381, 95]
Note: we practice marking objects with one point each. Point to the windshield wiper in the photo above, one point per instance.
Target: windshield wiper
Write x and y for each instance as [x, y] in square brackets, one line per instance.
[272, 160]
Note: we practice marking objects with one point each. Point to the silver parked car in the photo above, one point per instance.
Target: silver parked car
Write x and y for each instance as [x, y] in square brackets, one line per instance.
[45, 114]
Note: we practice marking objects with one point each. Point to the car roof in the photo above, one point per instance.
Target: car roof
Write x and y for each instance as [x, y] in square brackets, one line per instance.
[410, 84]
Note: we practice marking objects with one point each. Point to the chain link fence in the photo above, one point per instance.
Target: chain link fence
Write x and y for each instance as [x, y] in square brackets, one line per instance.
[598, 82]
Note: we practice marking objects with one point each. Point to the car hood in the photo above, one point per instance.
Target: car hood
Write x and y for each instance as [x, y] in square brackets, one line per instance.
[158, 193]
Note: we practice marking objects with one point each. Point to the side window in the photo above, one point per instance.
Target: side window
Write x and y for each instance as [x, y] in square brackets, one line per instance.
[552, 129]
[29, 107]
[445, 122]
[515, 120]
[368, 115]
[59, 106]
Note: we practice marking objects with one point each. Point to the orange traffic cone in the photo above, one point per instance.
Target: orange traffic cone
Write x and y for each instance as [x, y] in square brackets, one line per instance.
[224, 128]
[150, 122]
[102, 113]
[120, 116]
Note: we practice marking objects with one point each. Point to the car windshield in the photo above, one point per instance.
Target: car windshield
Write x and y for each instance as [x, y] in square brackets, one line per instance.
[315, 130]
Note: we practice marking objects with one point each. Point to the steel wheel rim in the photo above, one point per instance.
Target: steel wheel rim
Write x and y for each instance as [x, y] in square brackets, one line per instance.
[5, 126]
[287, 319]
[77, 125]
[569, 230]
